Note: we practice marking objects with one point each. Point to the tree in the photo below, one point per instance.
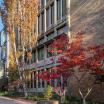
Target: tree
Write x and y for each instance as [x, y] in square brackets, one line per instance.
[48, 92]
[20, 18]
[78, 61]
[55, 49]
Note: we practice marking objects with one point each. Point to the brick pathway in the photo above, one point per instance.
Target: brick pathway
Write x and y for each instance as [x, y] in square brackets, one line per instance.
[5, 100]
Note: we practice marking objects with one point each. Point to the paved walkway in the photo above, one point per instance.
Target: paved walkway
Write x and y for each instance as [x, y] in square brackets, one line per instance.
[5, 100]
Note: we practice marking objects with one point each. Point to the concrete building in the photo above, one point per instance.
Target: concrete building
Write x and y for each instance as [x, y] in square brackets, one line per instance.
[3, 59]
[69, 17]
[52, 22]
[88, 16]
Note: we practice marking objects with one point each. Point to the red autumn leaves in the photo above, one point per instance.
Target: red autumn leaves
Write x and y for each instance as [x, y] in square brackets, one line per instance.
[74, 54]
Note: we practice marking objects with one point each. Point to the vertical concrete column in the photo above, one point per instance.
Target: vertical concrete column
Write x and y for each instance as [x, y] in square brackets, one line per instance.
[45, 51]
[55, 12]
[45, 57]
[36, 80]
[45, 17]
[61, 81]
[45, 81]
[68, 16]
[36, 55]
[61, 9]
[49, 17]
[55, 83]
[29, 80]
[55, 66]
[33, 79]
[40, 80]
[50, 79]
[55, 16]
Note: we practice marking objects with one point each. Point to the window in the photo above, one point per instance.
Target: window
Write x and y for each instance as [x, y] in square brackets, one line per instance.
[47, 17]
[58, 9]
[49, 54]
[42, 21]
[33, 56]
[41, 53]
[52, 13]
[39, 24]
[47, 1]
[42, 3]
[50, 36]
[64, 8]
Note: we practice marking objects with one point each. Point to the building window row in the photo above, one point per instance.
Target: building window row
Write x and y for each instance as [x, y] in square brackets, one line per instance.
[60, 9]
[41, 54]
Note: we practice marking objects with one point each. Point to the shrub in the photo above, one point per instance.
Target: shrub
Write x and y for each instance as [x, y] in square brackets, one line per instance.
[55, 96]
[34, 98]
[48, 92]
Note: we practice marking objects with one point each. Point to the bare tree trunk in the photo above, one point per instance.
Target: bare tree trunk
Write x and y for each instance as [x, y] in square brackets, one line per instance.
[21, 73]
[84, 101]
[25, 89]
[23, 76]
[85, 96]
[23, 82]
[62, 99]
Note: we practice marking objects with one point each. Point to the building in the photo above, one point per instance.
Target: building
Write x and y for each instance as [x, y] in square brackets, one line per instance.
[88, 16]
[3, 59]
[52, 22]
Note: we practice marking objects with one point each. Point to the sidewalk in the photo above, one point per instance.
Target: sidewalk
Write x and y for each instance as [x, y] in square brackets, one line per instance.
[7, 100]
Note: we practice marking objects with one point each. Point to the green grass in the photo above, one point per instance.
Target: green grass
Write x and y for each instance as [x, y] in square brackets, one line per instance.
[3, 93]
[11, 94]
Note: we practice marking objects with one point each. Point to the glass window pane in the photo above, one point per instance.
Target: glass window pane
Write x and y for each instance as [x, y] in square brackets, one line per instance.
[64, 8]
[52, 13]
[47, 17]
[39, 24]
[42, 21]
[41, 53]
[58, 9]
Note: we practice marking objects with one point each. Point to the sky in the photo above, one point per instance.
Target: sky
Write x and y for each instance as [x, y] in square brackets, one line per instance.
[1, 25]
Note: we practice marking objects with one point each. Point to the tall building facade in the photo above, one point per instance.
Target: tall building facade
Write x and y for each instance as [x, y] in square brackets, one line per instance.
[52, 22]
[57, 17]
[3, 59]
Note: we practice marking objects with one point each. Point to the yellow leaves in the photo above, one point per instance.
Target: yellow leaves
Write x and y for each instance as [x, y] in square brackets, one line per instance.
[18, 54]
[12, 37]
[12, 63]
[29, 55]
[33, 39]
[22, 15]
[12, 59]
